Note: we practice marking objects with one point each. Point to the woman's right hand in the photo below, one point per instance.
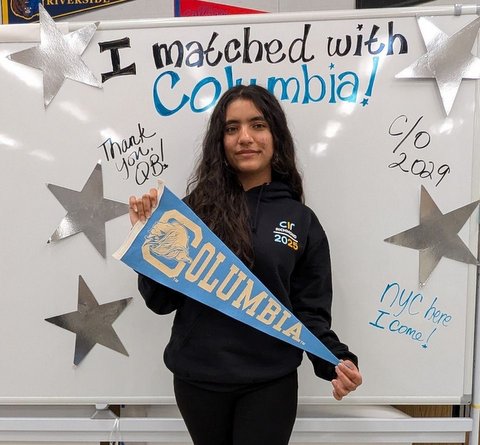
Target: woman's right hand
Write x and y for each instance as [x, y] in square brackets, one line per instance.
[141, 208]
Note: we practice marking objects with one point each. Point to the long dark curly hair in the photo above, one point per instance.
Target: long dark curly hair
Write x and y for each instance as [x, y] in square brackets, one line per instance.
[214, 191]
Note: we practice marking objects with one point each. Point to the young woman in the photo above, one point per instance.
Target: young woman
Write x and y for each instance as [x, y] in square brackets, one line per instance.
[235, 385]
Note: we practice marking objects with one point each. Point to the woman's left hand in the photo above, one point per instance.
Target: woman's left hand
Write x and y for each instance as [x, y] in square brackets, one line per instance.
[348, 379]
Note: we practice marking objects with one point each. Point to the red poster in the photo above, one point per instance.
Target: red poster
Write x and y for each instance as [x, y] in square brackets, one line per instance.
[188, 8]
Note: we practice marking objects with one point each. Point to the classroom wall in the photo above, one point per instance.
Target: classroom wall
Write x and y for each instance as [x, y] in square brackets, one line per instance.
[138, 9]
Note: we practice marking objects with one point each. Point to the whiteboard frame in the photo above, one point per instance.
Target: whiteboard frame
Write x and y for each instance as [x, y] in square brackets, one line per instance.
[30, 33]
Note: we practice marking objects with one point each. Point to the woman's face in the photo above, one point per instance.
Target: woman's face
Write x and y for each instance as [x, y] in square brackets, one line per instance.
[248, 143]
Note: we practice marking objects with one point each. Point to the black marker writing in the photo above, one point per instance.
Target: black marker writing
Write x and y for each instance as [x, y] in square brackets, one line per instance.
[426, 169]
[137, 155]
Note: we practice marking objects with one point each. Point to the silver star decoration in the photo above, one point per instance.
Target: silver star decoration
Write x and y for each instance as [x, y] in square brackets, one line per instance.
[436, 236]
[448, 59]
[87, 211]
[58, 56]
[92, 322]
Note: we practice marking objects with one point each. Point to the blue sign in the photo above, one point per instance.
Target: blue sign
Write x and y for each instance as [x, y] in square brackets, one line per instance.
[176, 249]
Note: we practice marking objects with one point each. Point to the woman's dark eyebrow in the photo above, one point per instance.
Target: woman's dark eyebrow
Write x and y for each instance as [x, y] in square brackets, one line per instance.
[253, 119]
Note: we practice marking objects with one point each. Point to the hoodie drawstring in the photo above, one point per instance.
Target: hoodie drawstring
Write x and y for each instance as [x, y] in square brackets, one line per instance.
[255, 218]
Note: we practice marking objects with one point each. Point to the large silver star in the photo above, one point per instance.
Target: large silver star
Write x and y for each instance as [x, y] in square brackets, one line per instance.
[436, 236]
[87, 211]
[448, 59]
[92, 322]
[58, 56]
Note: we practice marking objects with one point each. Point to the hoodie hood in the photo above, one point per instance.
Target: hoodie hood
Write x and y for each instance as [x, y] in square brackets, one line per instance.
[271, 191]
[264, 193]
[267, 192]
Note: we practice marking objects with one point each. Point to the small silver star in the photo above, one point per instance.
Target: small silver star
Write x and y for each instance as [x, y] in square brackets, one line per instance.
[92, 322]
[436, 236]
[448, 59]
[87, 211]
[58, 56]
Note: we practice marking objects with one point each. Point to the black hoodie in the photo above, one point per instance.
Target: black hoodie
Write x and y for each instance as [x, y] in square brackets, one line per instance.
[292, 260]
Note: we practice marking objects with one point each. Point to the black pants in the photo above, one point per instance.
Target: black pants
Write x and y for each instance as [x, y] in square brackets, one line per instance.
[260, 414]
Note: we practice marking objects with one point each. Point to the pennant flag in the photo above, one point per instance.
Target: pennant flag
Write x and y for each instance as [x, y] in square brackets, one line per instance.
[26, 11]
[188, 8]
[176, 249]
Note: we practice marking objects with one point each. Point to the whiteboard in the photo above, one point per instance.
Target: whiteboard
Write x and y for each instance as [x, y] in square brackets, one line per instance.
[345, 148]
